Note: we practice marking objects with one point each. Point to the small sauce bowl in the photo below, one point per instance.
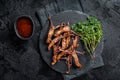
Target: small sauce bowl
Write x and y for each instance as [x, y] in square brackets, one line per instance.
[24, 27]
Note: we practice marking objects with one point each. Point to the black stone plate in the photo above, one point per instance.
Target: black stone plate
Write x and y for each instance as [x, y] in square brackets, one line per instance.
[71, 17]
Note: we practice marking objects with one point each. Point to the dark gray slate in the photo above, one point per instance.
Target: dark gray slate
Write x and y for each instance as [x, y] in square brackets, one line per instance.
[17, 62]
[73, 17]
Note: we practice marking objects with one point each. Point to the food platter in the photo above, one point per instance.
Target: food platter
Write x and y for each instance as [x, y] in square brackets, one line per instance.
[72, 17]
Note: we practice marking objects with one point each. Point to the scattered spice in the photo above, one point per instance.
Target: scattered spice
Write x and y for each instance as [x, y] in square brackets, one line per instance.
[24, 27]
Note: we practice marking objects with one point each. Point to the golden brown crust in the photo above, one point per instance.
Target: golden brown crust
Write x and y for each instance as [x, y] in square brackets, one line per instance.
[60, 38]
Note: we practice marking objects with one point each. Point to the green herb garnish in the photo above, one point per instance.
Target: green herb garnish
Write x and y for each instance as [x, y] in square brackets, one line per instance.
[91, 33]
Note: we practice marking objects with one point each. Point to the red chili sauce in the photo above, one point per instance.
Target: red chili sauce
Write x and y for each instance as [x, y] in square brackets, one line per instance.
[24, 27]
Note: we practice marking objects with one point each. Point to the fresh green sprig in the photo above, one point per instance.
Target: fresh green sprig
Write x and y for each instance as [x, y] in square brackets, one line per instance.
[91, 33]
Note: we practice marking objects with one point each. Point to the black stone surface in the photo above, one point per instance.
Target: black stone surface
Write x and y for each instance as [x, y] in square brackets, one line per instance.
[21, 60]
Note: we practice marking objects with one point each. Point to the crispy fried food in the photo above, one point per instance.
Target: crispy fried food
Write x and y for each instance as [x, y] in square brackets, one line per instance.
[55, 40]
[69, 63]
[75, 42]
[51, 30]
[65, 40]
[60, 55]
[60, 31]
[68, 39]
[50, 33]
[74, 55]
[55, 51]
[64, 43]
[54, 58]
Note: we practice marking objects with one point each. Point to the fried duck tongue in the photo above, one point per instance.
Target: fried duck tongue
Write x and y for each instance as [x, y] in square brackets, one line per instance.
[55, 52]
[62, 30]
[51, 30]
[75, 42]
[64, 42]
[55, 40]
[69, 63]
[75, 57]
[61, 55]
[68, 39]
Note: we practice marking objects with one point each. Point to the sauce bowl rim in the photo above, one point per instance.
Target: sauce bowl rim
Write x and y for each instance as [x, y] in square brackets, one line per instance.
[15, 26]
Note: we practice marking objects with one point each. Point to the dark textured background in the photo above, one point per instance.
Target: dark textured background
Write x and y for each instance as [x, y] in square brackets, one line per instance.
[21, 60]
